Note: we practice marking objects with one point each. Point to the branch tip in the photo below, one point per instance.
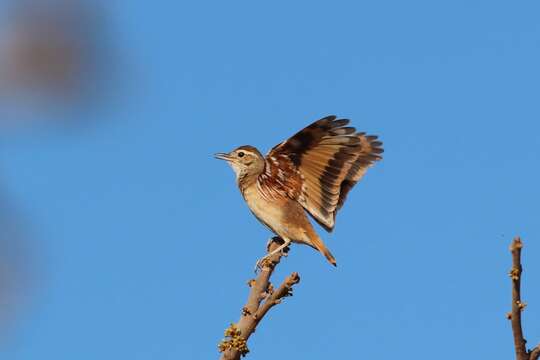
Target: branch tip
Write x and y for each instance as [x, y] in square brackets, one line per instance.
[517, 244]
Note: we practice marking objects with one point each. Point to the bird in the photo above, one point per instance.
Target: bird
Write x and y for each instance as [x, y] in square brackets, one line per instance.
[311, 173]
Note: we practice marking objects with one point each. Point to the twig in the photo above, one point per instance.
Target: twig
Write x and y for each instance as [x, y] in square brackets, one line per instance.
[518, 306]
[262, 297]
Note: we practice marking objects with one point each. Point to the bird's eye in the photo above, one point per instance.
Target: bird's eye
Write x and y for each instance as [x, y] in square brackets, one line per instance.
[241, 154]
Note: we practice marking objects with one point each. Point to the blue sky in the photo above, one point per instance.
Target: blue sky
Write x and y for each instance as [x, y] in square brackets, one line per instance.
[140, 245]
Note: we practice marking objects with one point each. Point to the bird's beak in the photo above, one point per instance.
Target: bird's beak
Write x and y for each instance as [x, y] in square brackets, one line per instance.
[223, 156]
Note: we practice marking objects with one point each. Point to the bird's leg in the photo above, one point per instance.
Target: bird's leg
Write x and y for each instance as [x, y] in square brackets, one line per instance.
[275, 239]
[281, 247]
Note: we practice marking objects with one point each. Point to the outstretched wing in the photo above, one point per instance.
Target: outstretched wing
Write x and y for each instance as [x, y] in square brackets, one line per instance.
[330, 158]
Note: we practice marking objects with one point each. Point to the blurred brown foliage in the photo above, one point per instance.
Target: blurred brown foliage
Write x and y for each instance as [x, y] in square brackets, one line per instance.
[51, 54]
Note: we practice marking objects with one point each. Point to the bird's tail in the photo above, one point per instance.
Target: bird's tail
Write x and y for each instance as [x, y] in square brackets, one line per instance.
[318, 244]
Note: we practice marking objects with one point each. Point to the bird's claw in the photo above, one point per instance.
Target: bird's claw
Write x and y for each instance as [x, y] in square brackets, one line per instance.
[265, 259]
[261, 263]
[258, 265]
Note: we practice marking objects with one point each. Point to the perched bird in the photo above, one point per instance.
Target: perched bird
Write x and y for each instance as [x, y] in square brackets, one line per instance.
[313, 171]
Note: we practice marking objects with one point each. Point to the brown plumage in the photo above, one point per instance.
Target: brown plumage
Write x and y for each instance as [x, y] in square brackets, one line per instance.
[313, 172]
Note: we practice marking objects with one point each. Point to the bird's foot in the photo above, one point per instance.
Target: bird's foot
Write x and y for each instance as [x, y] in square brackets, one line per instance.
[282, 249]
[275, 239]
[261, 263]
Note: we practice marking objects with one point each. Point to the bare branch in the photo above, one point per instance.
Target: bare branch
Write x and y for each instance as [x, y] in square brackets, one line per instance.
[262, 297]
[518, 306]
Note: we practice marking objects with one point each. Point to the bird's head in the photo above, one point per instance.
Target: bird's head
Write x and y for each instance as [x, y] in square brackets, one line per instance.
[245, 161]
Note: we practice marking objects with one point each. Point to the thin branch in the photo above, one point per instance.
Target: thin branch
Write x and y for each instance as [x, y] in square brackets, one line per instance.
[275, 298]
[262, 297]
[518, 306]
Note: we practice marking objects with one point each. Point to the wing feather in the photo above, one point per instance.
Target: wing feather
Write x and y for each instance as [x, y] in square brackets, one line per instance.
[330, 158]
